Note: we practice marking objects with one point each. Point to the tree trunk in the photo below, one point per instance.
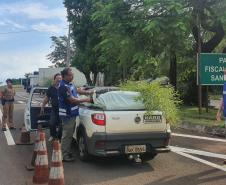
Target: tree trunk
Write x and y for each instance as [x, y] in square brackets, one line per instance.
[124, 71]
[207, 47]
[173, 69]
[89, 81]
[95, 78]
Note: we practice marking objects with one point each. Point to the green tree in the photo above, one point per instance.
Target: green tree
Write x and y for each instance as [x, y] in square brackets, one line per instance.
[140, 39]
[85, 33]
[59, 54]
[135, 32]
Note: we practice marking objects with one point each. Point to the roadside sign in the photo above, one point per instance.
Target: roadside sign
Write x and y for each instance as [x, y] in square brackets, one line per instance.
[211, 68]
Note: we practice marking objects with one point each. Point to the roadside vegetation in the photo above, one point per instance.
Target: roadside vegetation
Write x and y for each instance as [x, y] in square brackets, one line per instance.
[156, 97]
[135, 40]
[190, 114]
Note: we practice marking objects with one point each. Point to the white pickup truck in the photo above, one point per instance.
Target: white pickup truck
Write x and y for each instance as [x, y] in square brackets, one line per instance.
[114, 125]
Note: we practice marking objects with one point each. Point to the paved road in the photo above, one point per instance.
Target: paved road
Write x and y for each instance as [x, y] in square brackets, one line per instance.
[165, 169]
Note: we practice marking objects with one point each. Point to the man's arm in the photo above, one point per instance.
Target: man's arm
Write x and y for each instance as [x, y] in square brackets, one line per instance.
[76, 101]
[66, 95]
[84, 92]
[45, 101]
[14, 92]
[3, 93]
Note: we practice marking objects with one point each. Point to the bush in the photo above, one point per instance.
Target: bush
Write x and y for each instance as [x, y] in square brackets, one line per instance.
[156, 97]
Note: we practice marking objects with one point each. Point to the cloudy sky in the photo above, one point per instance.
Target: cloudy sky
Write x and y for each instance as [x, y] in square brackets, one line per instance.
[37, 21]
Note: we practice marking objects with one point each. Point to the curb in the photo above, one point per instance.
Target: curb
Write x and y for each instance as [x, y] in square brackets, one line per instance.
[214, 130]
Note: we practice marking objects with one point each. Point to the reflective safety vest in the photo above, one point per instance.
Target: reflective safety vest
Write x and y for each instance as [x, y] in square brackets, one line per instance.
[67, 110]
[224, 98]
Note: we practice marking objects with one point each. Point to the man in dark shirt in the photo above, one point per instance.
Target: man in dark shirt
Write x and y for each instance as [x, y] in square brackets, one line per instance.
[52, 96]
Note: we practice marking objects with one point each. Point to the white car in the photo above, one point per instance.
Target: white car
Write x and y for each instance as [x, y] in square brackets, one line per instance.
[103, 132]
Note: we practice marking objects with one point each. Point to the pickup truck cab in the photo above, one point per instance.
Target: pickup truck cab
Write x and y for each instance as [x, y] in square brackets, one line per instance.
[123, 129]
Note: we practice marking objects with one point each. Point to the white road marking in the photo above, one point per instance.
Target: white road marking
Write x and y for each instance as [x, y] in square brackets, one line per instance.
[199, 137]
[201, 161]
[36, 103]
[8, 135]
[21, 96]
[197, 152]
[21, 102]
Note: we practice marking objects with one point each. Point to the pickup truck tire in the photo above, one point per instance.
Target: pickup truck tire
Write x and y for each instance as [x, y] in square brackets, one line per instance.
[82, 148]
[148, 156]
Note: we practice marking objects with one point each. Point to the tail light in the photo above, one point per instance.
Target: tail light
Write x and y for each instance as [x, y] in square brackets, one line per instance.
[100, 144]
[99, 119]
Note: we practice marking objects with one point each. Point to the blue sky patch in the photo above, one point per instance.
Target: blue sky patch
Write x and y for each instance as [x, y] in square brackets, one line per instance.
[26, 51]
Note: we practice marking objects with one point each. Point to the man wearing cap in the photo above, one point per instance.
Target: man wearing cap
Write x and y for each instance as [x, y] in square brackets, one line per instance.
[8, 105]
[69, 110]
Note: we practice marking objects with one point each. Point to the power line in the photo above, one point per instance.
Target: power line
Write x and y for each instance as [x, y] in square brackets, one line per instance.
[22, 31]
[15, 32]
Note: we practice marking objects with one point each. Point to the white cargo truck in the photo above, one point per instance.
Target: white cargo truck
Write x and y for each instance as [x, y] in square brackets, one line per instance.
[46, 75]
[44, 78]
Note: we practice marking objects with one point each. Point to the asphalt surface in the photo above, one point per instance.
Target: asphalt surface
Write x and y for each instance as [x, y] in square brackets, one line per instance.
[165, 169]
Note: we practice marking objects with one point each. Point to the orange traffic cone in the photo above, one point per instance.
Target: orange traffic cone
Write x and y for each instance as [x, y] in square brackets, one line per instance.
[31, 166]
[25, 138]
[56, 176]
[41, 173]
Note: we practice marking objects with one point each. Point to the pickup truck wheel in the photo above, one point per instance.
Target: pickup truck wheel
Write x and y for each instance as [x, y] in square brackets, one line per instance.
[148, 156]
[82, 147]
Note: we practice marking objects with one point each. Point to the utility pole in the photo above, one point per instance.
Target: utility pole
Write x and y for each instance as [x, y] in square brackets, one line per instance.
[68, 46]
[198, 58]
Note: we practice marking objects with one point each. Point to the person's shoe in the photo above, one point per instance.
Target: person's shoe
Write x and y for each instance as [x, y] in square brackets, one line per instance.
[68, 159]
[3, 129]
[12, 128]
[50, 139]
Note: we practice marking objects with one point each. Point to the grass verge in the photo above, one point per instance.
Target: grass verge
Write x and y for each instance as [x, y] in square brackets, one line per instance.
[191, 114]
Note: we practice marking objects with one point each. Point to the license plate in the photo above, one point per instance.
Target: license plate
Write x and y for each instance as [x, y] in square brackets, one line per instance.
[152, 118]
[133, 149]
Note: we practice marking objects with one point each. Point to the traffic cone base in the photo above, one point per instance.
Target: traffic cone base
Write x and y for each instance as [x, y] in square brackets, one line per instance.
[41, 175]
[29, 182]
[56, 182]
[25, 138]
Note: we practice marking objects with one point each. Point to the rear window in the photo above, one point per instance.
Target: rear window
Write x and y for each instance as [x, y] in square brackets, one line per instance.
[119, 100]
[38, 97]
